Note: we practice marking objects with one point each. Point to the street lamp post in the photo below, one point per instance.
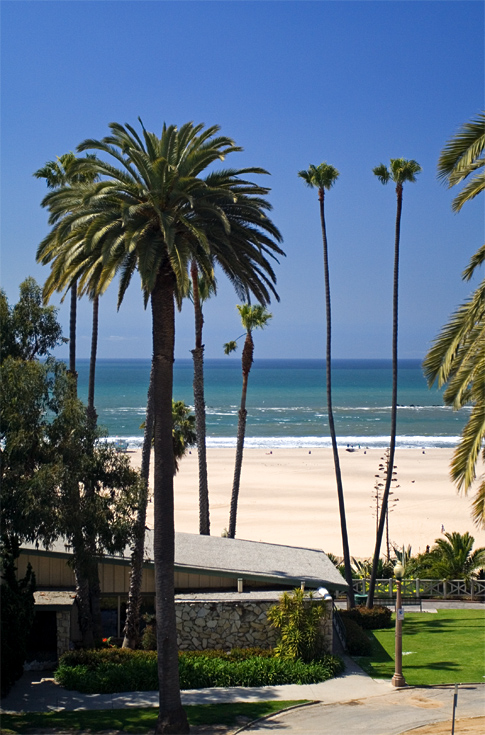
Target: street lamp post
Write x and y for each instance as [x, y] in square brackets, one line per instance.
[398, 679]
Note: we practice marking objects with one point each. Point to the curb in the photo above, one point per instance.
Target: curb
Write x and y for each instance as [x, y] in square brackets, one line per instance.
[274, 714]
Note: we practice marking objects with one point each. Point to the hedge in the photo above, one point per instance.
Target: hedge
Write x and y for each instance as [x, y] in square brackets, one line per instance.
[372, 618]
[113, 670]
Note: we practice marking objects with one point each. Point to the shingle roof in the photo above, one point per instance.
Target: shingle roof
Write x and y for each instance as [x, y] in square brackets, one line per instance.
[251, 560]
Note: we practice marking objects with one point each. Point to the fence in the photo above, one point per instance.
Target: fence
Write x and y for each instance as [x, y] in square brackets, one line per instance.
[444, 588]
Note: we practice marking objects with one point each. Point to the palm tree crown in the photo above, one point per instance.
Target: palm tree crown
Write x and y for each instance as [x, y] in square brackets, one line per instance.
[462, 156]
[320, 177]
[400, 171]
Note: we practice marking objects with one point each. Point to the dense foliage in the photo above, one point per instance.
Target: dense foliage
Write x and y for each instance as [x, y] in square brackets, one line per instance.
[58, 479]
[297, 617]
[358, 643]
[113, 670]
[369, 618]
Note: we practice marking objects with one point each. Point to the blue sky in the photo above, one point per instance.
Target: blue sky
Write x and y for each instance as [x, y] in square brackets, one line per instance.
[294, 83]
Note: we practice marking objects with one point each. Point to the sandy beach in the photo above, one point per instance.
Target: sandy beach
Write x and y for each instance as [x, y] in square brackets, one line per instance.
[288, 496]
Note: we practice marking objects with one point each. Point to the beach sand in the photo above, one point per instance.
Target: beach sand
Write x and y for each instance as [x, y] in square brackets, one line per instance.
[289, 497]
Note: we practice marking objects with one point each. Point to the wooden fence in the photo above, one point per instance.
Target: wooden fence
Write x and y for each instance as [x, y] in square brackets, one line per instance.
[419, 588]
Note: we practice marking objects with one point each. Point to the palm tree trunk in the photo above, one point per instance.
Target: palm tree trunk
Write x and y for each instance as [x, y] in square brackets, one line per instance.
[72, 333]
[132, 624]
[392, 445]
[83, 606]
[247, 361]
[328, 361]
[171, 716]
[91, 411]
[199, 406]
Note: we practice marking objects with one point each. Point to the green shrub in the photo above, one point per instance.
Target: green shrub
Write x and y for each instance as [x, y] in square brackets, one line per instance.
[297, 617]
[358, 644]
[235, 654]
[372, 618]
[149, 636]
[115, 670]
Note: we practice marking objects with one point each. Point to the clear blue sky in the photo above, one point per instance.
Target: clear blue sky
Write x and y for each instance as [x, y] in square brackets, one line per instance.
[294, 83]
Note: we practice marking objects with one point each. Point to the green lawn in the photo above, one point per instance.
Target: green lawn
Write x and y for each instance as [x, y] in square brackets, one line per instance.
[137, 720]
[447, 647]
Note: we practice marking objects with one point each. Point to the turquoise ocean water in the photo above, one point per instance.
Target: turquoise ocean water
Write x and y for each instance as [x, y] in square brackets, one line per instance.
[286, 402]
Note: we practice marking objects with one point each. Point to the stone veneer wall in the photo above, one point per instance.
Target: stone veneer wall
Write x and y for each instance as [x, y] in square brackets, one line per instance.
[210, 624]
[63, 619]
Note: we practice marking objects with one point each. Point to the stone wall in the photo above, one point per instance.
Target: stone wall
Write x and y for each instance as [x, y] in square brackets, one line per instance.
[63, 619]
[231, 623]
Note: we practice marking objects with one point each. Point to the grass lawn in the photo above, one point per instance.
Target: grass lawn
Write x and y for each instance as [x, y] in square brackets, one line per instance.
[447, 647]
[137, 720]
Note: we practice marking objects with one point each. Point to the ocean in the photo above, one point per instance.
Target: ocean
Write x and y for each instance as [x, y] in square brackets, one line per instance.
[286, 402]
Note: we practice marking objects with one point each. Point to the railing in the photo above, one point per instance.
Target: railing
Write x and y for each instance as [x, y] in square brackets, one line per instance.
[419, 588]
[338, 627]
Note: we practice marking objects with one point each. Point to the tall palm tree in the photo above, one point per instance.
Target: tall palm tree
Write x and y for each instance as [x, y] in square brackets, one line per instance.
[252, 317]
[462, 156]
[201, 290]
[61, 174]
[400, 171]
[323, 177]
[57, 174]
[153, 212]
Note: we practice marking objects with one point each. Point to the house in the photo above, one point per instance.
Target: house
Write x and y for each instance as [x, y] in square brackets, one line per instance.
[223, 589]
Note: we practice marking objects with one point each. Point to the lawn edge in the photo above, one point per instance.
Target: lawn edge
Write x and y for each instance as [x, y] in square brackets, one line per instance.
[310, 702]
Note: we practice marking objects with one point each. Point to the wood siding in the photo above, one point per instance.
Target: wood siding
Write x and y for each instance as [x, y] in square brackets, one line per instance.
[53, 572]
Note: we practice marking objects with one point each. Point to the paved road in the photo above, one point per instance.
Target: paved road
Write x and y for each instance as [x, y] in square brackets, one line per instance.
[391, 713]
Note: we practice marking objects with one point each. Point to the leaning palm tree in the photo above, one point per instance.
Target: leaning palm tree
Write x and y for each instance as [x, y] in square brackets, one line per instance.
[252, 317]
[463, 156]
[400, 171]
[324, 177]
[153, 212]
[201, 290]
[457, 360]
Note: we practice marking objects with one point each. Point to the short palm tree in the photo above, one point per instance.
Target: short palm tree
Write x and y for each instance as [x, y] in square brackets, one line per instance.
[399, 172]
[252, 317]
[453, 557]
[463, 157]
[153, 212]
[323, 177]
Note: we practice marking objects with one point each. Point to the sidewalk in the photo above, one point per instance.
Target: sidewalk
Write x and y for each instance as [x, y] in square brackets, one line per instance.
[36, 692]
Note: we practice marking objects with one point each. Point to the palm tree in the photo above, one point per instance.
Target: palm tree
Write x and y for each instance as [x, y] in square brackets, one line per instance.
[60, 173]
[457, 360]
[324, 177]
[252, 317]
[400, 171]
[153, 212]
[201, 290]
[461, 157]
[453, 557]
[457, 356]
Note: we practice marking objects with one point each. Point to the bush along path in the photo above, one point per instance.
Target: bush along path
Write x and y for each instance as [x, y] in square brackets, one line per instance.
[111, 670]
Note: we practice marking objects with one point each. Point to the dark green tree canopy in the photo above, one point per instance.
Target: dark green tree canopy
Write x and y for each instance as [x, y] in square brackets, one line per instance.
[29, 329]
